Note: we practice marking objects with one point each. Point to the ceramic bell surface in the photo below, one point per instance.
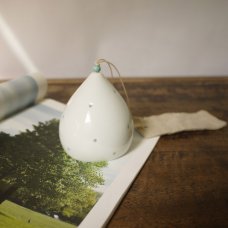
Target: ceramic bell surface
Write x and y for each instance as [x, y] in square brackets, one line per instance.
[96, 124]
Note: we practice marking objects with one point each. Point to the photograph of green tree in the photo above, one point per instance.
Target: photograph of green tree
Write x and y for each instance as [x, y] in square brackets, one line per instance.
[40, 176]
[42, 186]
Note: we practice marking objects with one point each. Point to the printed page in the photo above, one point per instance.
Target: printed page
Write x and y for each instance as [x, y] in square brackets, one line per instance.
[41, 186]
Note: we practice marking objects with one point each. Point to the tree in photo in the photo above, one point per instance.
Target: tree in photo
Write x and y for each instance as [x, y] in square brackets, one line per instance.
[46, 178]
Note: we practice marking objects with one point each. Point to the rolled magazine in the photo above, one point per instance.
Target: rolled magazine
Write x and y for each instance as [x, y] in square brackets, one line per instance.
[20, 93]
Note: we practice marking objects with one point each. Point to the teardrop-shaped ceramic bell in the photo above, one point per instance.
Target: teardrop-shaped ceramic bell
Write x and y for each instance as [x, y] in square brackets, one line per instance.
[96, 124]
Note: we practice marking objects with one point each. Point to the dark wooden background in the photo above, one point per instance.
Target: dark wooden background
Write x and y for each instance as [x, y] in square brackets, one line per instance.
[184, 183]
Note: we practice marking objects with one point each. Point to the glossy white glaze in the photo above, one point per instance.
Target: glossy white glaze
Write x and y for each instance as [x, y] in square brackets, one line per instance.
[96, 124]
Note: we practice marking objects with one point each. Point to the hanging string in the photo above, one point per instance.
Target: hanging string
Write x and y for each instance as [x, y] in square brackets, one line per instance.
[111, 66]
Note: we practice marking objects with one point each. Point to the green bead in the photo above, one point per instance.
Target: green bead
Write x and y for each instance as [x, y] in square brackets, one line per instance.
[97, 68]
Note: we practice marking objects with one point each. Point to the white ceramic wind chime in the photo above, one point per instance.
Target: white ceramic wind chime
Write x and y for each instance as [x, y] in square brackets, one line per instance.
[96, 123]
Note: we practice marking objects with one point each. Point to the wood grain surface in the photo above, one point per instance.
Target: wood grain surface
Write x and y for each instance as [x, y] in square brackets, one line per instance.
[184, 183]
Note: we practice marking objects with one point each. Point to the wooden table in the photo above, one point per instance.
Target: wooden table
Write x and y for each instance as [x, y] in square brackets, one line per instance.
[184, 183]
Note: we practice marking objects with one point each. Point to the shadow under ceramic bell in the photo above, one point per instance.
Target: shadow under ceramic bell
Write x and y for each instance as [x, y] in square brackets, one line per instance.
[96, 124]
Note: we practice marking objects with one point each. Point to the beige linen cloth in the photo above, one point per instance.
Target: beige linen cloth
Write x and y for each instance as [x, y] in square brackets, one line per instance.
[170, 123]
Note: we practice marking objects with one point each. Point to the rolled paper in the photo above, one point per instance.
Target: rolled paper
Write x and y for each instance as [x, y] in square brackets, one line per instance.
[19, 93]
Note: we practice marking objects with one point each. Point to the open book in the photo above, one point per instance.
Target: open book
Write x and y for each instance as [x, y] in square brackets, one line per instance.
[40, 185]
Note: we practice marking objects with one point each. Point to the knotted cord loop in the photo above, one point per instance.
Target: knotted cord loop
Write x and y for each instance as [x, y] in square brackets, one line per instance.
[97, 68]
